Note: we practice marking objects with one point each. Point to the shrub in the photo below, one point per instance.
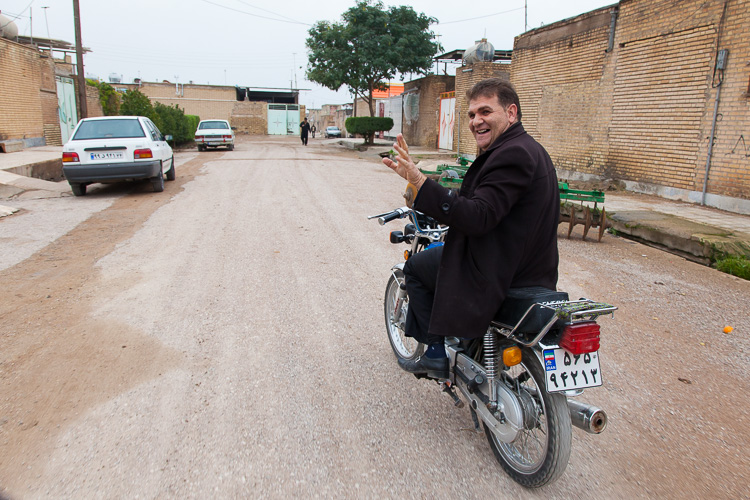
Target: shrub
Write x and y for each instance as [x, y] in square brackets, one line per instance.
[366, 126]
[173, 121]
[135, 103]
[736, 265]
[193, 121]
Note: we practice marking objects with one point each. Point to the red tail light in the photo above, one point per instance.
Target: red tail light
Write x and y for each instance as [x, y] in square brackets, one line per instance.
[227, 137]
[70, 157]
[580, 338]
[142, 153]
[198, 137]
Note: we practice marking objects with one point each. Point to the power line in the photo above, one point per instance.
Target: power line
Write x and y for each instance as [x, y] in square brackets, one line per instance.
[270, 12]
[480, 17]
[255, 15]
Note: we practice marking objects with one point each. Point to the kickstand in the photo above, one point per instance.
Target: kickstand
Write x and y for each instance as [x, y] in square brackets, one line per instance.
[449, 390]
[476, 420]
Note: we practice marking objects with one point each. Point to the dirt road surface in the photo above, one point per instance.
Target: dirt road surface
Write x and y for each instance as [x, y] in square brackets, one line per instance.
[225, 338]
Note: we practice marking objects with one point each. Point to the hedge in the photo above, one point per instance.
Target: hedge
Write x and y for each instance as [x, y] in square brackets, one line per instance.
[366, 126]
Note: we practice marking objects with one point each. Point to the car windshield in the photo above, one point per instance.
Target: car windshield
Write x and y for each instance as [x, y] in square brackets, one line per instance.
[213, 125]
[109, 129]
[333, 129]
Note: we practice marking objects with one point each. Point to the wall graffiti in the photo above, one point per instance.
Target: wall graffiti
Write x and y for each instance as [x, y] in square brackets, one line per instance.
[740, 148]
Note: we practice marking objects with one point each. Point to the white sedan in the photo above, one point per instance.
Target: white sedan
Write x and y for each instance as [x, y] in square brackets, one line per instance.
[117, 148]
[214, 133]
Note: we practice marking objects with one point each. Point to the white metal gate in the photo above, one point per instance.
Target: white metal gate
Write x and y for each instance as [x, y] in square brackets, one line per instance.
[66, 106]
[392, 109]
[447, 120]
[283, 119]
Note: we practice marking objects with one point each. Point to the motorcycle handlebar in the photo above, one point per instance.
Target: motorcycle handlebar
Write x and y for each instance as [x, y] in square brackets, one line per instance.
[399, 213]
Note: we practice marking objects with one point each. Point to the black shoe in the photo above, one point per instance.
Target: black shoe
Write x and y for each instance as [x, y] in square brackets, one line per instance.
[432, 367]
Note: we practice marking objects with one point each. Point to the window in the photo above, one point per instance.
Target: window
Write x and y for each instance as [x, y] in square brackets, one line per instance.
[105, 129]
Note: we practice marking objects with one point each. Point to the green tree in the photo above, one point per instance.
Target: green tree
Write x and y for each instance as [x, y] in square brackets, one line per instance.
[109, 98]
[369, 47]
[135, 103]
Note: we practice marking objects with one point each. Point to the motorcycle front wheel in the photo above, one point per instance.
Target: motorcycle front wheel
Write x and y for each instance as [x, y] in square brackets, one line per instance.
[540, 452]
[395, 319]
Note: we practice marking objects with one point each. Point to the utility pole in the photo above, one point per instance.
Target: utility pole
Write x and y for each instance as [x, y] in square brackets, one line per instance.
[79, 62]
[525, 15]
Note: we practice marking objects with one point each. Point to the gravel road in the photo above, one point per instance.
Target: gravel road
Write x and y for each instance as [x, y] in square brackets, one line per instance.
[225, 338]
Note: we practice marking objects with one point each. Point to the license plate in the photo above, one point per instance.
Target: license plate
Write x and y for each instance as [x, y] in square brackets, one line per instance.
[214, 143]
[107, 156]
[566, 371]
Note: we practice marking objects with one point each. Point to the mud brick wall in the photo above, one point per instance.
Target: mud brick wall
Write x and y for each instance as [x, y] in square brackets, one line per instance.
[425, 130]
[20, 95]
[466, 77]
[641, 110]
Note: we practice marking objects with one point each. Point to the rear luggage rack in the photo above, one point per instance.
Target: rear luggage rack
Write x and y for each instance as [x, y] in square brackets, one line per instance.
[567, 311]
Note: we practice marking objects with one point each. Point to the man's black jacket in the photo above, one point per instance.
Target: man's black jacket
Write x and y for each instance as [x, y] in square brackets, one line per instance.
[503, 232]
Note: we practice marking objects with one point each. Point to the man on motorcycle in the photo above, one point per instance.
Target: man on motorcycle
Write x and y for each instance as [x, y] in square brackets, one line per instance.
[503, 228]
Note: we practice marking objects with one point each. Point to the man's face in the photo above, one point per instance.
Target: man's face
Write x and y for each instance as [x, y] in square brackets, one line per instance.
[488, 119]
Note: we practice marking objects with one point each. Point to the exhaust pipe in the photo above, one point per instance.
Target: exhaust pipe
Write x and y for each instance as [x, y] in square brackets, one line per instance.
[589, 418]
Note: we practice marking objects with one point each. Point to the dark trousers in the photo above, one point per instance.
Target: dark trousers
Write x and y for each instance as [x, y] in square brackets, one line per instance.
[304, 139]
[420, 273]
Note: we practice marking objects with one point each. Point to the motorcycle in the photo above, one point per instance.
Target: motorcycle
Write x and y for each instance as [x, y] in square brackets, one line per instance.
[539, 352]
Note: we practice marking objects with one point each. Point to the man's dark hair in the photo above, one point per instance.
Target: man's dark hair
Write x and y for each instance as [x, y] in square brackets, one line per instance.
[502, 89]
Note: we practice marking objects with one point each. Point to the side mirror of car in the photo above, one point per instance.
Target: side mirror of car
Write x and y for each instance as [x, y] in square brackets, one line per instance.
[167, 137]
[234, 128]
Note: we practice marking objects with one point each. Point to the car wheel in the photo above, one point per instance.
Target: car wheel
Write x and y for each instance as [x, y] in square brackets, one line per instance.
[201, 148]
[78, 189]
[171, 173]
[231, 147]
[158, 181]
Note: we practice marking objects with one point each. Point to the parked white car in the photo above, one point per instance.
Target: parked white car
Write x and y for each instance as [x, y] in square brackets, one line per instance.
[117, 148]
[332, 132]
[214, 133]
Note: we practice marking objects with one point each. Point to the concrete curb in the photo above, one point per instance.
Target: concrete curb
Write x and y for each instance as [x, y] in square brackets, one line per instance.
[693, 240]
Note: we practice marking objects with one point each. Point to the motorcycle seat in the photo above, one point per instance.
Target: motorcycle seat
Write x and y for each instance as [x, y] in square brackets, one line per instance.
[519, 300]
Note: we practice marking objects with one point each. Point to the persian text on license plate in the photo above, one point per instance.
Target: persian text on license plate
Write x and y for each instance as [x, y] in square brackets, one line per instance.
[565, 371]
[107, 156]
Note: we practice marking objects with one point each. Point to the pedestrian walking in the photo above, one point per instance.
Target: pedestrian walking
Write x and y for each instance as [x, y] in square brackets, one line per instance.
[305, 129]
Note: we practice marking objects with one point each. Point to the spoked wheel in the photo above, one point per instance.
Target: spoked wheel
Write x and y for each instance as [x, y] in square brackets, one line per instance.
[395, 318]
[540, 452]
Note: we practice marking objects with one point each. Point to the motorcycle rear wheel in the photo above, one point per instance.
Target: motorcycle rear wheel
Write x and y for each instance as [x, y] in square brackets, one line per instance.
[540, 452]
[403, 347]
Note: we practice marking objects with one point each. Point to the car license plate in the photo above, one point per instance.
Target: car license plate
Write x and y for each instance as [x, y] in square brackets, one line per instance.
[565, 371]
[214, 143]
[107, 156]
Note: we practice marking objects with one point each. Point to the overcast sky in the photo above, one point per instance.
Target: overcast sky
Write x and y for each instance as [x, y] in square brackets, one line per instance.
[252, 43]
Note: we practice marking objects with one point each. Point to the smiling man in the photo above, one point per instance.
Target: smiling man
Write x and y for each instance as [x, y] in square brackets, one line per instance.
[503, 228]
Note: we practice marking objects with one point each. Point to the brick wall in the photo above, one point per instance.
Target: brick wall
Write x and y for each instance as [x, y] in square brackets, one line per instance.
[206, 101]
[425, 130]
[20, 95]
[250, 117]
[563, 76]
[642, 112]
[466, 77]
[93, 105]
[210, 101]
